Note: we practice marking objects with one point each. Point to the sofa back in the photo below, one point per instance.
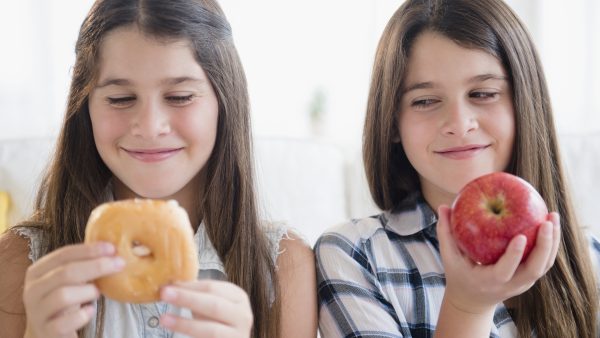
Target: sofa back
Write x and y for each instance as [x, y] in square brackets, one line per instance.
[309, 184]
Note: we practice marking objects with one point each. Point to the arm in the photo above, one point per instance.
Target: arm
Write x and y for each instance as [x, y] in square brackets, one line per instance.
[298, 282]
[351, 302]
[472, 291]
[14, 260]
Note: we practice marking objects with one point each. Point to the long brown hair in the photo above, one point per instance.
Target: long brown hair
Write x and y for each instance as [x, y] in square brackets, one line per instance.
[77, 178]
[564, 302]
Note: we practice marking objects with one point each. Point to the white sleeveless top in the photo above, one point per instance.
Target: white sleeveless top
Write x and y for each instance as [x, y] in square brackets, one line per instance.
[142, 320]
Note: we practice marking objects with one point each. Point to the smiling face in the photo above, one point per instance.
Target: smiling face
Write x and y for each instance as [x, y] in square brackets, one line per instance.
[154, 116]
[457, 119]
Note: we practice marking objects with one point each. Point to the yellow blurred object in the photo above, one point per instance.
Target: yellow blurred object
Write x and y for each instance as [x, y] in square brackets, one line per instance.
[4, 205]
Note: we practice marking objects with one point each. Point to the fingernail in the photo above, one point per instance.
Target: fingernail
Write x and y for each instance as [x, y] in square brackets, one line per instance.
[168, 293]
[521, 242]
[166, 320]
[118, 262]
[547, 229]
[106, 248]
[89, 310]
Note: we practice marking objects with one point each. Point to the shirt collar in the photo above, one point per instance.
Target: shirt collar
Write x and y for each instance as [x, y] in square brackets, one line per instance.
[412, 215]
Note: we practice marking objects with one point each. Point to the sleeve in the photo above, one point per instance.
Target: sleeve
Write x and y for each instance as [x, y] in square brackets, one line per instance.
[351, 301]
[595, 256]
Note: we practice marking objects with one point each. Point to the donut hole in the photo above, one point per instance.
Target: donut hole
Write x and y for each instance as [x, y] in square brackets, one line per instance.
[140, 250]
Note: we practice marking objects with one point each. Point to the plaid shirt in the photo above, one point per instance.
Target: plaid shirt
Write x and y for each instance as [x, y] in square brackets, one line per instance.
[383, 277]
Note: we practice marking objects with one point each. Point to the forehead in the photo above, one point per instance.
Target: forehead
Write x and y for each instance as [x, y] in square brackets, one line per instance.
[127, 52]
[435, 55]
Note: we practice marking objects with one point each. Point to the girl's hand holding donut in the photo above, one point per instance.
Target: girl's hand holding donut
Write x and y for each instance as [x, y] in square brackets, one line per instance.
[219, 309]
[58, 288]
[155, 239]
[477, 289]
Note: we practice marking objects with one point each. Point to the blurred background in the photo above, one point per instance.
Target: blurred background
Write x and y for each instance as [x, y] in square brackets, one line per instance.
[308, 65]
[308, 62]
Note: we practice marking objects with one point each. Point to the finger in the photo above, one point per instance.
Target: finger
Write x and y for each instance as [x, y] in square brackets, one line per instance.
[507, 265]
[534, 267]
[555, 219]
[69, 323]
[222, 289]
[210, 306]
[448, 247]
[63, 299]
[73, 273]
[68, 254]
[201, 328]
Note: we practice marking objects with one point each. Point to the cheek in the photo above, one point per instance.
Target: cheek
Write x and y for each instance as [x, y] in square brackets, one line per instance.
[198, 125]
[106, 128]
[414, 136]
[504, 128]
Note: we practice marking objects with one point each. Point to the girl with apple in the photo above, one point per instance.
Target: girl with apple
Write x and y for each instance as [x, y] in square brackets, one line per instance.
[457, 92]
[158, 108]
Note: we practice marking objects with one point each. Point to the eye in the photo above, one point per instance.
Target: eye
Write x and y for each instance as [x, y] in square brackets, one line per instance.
[423, 103]
[121, 102]
[180, 100]
[483, 95]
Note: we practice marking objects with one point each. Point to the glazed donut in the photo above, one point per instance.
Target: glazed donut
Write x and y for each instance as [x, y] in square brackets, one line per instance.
[154, 238]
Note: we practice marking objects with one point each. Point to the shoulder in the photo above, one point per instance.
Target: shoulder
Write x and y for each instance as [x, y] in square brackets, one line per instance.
[352, 233]
[595, 244]
[294, 253]
[298, 285]
[14, 255]
[14, 249]
[371, 245]
[594, 247]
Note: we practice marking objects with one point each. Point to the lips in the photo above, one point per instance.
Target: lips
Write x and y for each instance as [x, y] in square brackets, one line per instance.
[152, 155]
[462, 152]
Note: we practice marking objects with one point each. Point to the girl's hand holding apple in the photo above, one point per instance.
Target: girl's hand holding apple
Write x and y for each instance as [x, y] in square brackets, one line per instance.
[491, 210]
[476, 288]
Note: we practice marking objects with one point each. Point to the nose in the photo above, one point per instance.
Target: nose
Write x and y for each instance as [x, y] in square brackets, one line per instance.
[459, 120]
[150, 120]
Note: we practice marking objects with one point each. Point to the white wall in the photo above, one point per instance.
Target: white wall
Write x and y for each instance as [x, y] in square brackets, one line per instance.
[38, 43]
[290, 50]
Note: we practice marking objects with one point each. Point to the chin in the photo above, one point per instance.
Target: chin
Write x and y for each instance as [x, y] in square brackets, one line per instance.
[467, 176]
[155, 192]
[152, 189]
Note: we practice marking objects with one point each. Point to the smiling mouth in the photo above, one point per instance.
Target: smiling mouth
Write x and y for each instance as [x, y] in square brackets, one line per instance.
[152, 155]
[461, 153]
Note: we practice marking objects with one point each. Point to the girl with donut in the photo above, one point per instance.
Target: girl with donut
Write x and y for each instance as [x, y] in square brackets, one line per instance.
[157, 109]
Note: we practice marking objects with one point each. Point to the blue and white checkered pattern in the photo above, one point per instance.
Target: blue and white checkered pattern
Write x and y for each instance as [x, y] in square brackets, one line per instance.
[383, 277]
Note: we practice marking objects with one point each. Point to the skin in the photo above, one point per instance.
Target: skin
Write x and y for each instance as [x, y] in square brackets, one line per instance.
[150, 96]
[456, 97]
[144, 105]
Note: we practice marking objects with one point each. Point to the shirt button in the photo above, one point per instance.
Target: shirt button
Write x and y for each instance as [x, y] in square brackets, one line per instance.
[153, 322]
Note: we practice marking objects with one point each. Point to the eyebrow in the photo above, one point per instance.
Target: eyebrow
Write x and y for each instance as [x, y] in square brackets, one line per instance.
[477, 78]
[169, 81]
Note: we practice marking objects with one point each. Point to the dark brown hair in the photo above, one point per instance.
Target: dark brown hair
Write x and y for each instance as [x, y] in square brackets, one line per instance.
[77, 178]
[564, 302]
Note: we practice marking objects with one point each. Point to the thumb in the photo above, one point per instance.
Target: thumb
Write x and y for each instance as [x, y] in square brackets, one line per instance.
[448, 247]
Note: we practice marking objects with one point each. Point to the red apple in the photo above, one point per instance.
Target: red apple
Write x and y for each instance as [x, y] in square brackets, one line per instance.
[492, 209]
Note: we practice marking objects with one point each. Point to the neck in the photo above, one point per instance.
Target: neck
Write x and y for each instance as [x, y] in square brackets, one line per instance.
[188, 197]
[436, 197]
